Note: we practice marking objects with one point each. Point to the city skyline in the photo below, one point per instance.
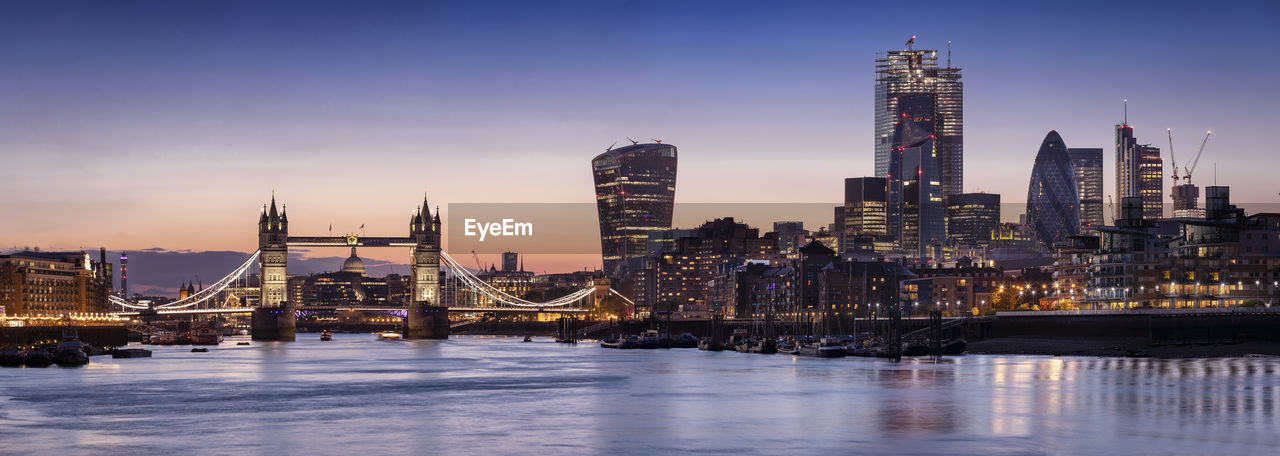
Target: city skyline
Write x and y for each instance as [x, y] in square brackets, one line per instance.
[177, 123]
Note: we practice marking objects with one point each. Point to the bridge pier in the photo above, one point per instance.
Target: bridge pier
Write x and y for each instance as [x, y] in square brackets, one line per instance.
[275, 323]
[426, 322]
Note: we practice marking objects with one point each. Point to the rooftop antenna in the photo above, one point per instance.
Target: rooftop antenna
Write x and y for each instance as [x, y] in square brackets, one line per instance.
[948, 53]
[1126, 112]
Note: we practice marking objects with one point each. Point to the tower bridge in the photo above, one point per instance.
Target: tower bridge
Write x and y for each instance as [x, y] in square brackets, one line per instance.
[437, 283]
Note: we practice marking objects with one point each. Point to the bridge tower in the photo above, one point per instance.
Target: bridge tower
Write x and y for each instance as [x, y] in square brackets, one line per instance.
[274, 319]
[427, 316]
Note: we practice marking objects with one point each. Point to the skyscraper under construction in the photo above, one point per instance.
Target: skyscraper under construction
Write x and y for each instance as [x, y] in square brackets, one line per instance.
[916, 72]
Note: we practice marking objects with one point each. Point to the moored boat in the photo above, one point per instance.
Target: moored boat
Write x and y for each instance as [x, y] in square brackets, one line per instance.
[38, 357]
[388, 335]
[12, 356]
[131, 353]
[709, 344]
[827, 347]
[206, 335]
[610, 343]
[70, 351]
[326, 336]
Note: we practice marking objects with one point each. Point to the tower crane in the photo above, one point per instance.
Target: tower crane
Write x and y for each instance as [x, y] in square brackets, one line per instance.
[477, 258]
[1197, 160]
[1111, 207]
[1173, 159]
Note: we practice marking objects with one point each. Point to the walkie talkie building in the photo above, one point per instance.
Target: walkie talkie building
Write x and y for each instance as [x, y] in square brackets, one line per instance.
[635, 195]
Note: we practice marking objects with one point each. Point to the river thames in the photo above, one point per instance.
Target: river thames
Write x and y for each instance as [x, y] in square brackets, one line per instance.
[497, 395]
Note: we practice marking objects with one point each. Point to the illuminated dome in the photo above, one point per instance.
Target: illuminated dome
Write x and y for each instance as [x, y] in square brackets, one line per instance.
[353, 264]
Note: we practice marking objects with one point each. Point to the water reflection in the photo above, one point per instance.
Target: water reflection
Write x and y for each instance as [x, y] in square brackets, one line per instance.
[501, 396]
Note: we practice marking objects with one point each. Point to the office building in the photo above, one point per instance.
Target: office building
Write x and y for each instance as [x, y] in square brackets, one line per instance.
[971, 218]
[1139, 172]
[909, 72]
[916, 218]
[635, 194]
[52, 284]
[866, 213]
[1053, 207]
[1087, 163]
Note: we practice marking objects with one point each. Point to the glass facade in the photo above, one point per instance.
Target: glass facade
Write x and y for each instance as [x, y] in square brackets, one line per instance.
[1139, 172]
[1053, 206]
[635, 195]
[915, 212]
[916, 72]
[865, 211]
[971, 217]
[1087, 163]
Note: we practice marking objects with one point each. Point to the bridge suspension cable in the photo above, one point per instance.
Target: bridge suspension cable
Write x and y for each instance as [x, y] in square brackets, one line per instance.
[200, 296]
[480, 285]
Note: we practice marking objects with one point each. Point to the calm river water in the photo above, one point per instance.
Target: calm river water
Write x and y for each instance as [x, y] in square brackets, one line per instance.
[482, 395]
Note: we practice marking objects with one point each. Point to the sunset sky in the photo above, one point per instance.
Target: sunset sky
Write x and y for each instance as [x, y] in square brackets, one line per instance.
[136, 125]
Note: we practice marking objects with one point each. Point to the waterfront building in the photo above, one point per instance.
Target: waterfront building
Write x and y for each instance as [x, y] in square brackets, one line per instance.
[1053, 206]
[1087, 164]
[1139, 172]
[677, 278]
[635, 189]
[1226, 259]
[971, 218]
[912, 72]
[52, 284]
[956, 290]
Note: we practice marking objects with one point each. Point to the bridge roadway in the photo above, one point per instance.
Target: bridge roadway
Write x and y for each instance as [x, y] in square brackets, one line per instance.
[249, 310]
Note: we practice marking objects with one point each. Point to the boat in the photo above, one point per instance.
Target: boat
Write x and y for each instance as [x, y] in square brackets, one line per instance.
[243, 332]
[788, 346]
[629, 342]
[739, 340]
[242, 343]
[326, 336]
[165, 338]
[199, 350]
[131, 353]
[528, 338]
[709, 344]
[649, 339]
[610, 343]
[70, 351]
[12, 356]
[388, 335]
[685, 340]
[38, 357]
[763, 346]
[827, 347]
[206, 335]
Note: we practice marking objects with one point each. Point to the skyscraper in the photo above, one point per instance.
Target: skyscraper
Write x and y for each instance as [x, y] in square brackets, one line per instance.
[1139, 172]
[865, 211]
[1053, 206]
[971, 217]
[1087, 163]
[915, 72]
[915, 212]
[635, 194]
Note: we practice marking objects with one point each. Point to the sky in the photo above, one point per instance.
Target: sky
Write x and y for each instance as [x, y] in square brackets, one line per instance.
[167, 125]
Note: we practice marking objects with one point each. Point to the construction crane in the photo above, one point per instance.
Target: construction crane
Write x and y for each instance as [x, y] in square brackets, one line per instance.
[477, 257]
[1173, 159]
[1197, 160]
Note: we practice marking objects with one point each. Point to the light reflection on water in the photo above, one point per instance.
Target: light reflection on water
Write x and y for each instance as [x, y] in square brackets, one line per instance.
[480, 395]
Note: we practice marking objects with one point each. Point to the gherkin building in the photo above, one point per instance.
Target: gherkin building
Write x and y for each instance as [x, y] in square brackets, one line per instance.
[1053, 206]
